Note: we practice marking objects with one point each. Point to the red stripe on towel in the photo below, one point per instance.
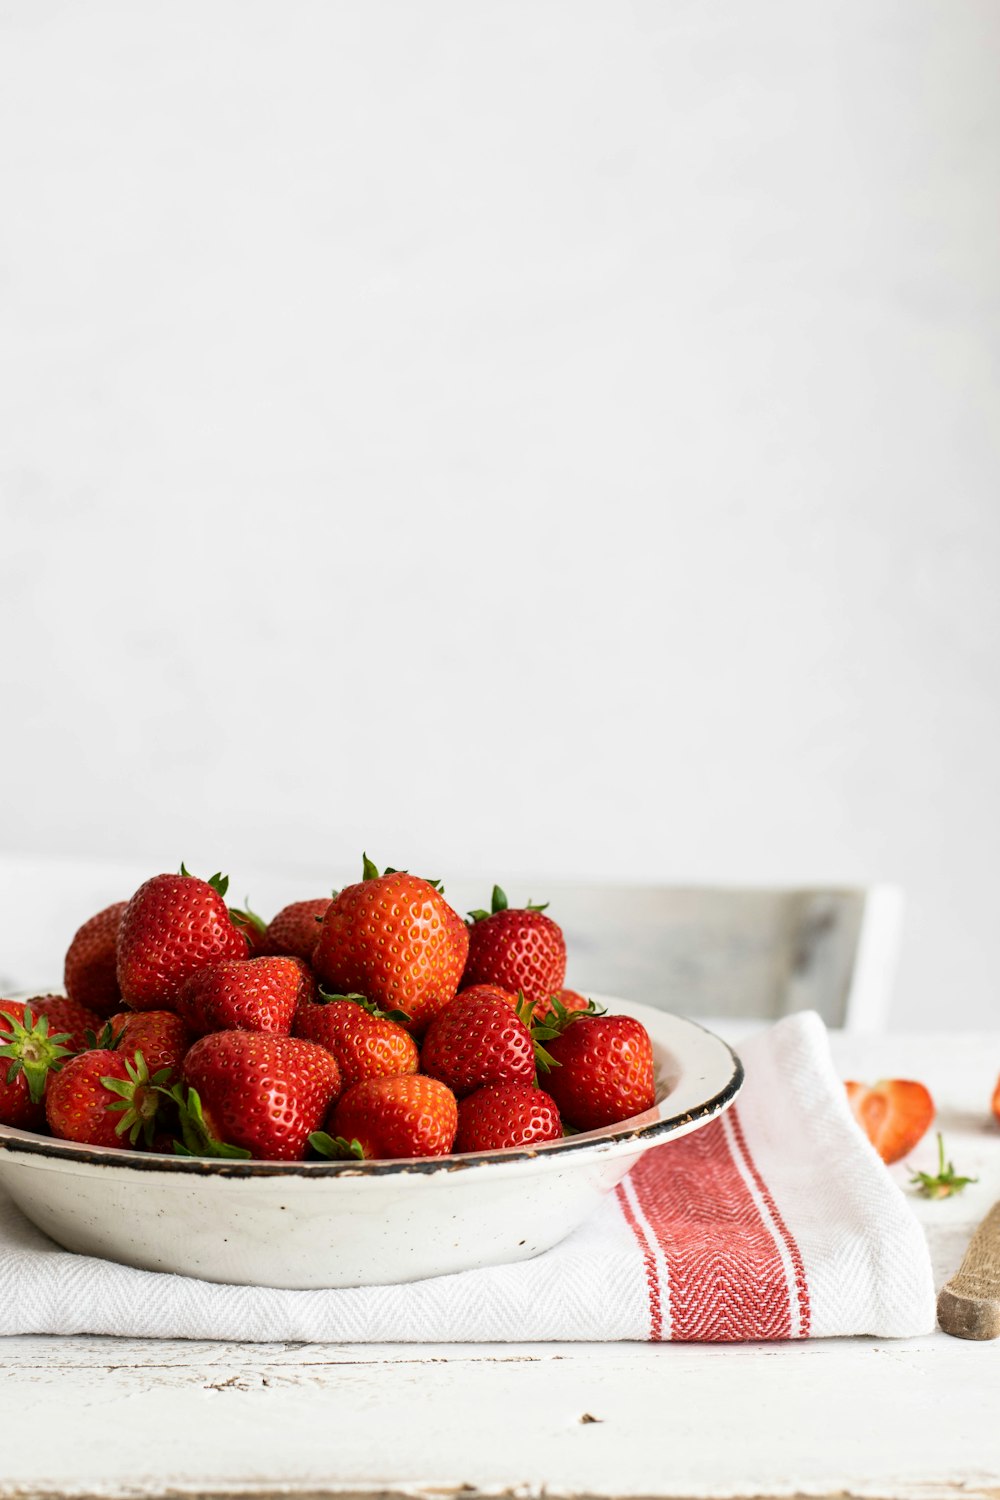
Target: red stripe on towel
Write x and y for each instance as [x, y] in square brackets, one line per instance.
[794, 1253]
[726, 1277]
[649, 1265]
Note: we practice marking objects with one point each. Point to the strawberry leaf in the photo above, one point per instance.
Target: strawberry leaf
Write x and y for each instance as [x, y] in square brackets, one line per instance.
[198, 1140]
[499, 900]
[401, 1017]
[245, 916]
[336, 1147]
[368, 870]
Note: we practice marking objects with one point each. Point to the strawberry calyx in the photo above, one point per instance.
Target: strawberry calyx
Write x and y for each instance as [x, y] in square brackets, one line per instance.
[104, 1040]
[218, 882]
[371, 871]
[245, 916]
[139, 1099]
[336, 1147]
[499, 902]
[196, 1137]
[401, 1017]
[540, 1032]
[32, 1051]
[556, 1019]
[945, 1183]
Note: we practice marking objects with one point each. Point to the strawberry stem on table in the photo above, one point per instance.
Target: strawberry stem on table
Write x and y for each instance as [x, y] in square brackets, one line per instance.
[32, 1051]
[945, 1183]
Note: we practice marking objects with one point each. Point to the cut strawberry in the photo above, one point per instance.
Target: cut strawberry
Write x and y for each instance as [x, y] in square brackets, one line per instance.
[894, 1114]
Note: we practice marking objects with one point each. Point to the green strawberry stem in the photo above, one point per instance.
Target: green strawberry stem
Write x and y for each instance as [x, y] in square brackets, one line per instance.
[218, 882]
[401, 1017]
[370, 871]
[245, 916]
[32, 1051]
[336, 1147]
[196, 1138]
[945, 1183]
[499, 902]
[140, 1097]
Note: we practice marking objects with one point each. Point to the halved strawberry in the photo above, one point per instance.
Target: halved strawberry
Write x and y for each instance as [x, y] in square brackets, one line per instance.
[894, 1114]
[391, 1117]
[90, 971]
[503, 1115]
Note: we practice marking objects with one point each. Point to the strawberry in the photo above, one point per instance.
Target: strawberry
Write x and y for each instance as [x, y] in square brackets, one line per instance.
[90, 973]
[173, 926]
[996, 1100]
[101, 1096]
[478, 991]
[161, 1037]
[894, 1114]
[245, 994]
[249, 1093]
[391, 1117]
[516, 949]
[475, 1041]
[29, 1052]
[604, 1070]
[296, 928]
[366, 1042]
[501, 1115]
[394, 939]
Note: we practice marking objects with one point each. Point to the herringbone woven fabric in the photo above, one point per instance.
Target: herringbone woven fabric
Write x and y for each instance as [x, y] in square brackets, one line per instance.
[776, 1221]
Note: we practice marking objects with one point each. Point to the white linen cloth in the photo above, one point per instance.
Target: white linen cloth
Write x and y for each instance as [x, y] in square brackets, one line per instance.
[777, 1220]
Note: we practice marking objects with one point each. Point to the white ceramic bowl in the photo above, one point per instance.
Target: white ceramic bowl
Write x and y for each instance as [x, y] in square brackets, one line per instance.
[329, 1224]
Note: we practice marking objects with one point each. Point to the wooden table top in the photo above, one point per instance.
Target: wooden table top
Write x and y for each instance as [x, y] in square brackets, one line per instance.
[865, 1417]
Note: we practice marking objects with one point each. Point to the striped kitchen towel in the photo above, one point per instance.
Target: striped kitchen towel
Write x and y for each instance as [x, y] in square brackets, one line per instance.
[775, 1221]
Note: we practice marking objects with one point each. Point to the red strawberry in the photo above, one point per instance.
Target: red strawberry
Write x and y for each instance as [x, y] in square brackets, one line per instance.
[996, 1100]
[90, 974]
[245, 994]
[254, 1094]
[296, 928]
[100, 1097]
[476, 1041]
[604, 1072]
[173, 926]
[516, 949]
[392, 1117]
[478, 991]
[501, 1115]
[30, 1050]
[161, 1037]
[366, 1042]
[394, 939]
[894, 1114]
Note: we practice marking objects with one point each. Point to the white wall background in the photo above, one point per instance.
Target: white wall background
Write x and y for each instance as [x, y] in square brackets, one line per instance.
[558, 436]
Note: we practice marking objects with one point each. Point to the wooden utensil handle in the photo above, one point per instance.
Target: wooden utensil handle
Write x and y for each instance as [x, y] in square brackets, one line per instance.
[969, 1304]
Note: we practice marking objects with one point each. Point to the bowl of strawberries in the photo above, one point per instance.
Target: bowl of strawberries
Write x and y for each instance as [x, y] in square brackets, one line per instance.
[368, 1089]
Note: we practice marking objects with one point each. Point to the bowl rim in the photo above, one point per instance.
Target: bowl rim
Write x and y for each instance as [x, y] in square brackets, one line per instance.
[627, 1133]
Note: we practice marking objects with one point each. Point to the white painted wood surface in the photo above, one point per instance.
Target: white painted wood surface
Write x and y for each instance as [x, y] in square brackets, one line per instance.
[918, 1419]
